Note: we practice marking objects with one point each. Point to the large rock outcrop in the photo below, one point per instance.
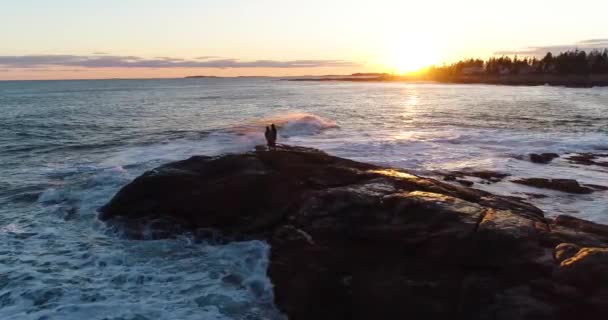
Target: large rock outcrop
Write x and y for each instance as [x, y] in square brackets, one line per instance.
[356, 241]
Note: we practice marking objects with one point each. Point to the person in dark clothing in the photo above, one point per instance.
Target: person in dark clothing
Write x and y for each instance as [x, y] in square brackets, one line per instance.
[267, 136]
[273, 131]
[271, 136]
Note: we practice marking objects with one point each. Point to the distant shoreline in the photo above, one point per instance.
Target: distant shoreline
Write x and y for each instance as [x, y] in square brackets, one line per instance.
[572, 81]
[196, 77]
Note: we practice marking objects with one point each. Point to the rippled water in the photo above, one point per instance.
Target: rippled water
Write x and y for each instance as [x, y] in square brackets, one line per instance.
[68, 146]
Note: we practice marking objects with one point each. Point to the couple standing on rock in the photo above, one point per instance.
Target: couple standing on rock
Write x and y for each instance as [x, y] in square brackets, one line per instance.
[271, 137]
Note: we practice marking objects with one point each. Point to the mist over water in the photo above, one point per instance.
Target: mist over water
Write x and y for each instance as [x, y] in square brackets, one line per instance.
[68, 146]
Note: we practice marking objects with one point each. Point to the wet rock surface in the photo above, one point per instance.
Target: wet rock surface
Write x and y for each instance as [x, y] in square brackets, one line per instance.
[543, 158]
[564, 185]
[589, 159]
[486, 176]
[491, 176]
[356, 241]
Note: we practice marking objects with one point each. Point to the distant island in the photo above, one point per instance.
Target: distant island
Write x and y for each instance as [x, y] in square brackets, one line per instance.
[222, 77]
[196, 77]
[575, 68]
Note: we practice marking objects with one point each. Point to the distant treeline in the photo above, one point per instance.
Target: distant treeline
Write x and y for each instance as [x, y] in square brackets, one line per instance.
[570, 62]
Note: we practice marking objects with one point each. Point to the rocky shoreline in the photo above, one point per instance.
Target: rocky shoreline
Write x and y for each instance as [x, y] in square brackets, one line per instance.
[351, 240]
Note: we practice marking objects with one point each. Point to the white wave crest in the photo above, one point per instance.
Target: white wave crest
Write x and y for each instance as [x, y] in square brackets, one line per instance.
[301, 124]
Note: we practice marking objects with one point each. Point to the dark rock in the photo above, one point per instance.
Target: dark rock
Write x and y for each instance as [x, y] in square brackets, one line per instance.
[487, 175]
[581, 225]
[588, 159]
[565, 251]
[567, 229]
[543, 158]
[586, 268]
[465, 183]
[450, 177]
[200, 192]
[564, 185]
[493, 176]
[596, 187]
[356, 241]
[535, 195]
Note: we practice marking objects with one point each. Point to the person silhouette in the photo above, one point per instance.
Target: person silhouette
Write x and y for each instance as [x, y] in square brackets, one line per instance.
[271, 136]
[273, 132]
[267, 136]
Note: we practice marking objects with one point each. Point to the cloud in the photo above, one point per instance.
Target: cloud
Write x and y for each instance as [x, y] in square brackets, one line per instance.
[42, 70]
[207, 57]
[601, 42]
[114, 61]
[171, 59]
[589, 44]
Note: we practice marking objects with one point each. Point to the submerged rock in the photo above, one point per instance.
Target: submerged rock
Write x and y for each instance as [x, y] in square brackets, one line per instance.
[465, 183]
[357, 241]
[487, 175]
[588, 159]
[564, 185]
[543, 158]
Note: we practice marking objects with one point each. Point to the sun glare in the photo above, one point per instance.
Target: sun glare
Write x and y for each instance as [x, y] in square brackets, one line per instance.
[410, 55]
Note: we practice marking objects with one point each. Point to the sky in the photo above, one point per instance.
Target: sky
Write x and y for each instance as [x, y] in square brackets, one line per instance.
[79, 39]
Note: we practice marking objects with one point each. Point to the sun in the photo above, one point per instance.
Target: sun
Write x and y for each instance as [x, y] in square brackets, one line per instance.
[410, 55]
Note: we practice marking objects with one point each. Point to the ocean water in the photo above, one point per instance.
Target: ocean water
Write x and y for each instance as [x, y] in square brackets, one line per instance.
[67, 146]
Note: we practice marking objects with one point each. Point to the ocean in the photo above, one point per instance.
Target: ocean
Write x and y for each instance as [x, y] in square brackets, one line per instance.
[67, 146]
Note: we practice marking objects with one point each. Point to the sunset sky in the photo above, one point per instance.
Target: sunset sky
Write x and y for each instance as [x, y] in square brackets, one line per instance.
[59, 39]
